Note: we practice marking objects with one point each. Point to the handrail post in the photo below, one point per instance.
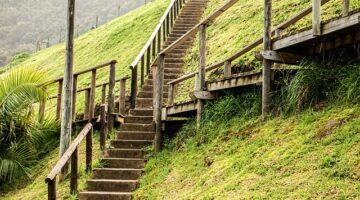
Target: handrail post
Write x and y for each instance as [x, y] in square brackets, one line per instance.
[201, 75]
[158, 101]
[133, 85]
[142, 71]
[104, 128]
[122, 97]
[52, 189]
[266, 71]
[74, 97]
[58, 104]
[154, 48]
[74, 172]
[148, 56]
[159, 41]
[87, 104]
[103, 94]
[227, 69]
[171, 94]
[92, 95]
[346, 5]
[42, 108]
[89, 150]
[316, 17]
[111, 98]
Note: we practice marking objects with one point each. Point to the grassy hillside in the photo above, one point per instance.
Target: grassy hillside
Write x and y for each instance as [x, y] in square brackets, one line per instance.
[311, 155]
[241, 25]
[120, 39]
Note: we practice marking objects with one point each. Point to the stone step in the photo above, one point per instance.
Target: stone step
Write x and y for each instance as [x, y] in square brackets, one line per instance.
[188, 42]
[124, 153]
[174, 60]
[131, 144]
[137, 127]
[112, 185]
[117, 173]
[135, 135]
[133, 163]
[186, 22]
[100, 195]
[167, 76]
[179, 31]
[175, 55]
[141, 119]
[149, 88]
[173, 70]
[183, 51]
[141, 112]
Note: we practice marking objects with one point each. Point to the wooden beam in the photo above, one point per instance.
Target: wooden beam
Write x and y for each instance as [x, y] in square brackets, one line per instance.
[280, 57]
[171, 94]
[316, 17]
[202, 95]
[59, 100]
[92, 95]
[74, 97]
[74, 172]
[111, 98]
[133, 85]
[122, 97]
[201, 75]
[227, 69]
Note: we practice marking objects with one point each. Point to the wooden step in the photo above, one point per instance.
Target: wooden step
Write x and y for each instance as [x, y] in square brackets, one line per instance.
[135, 135]
[133, 163]
[131, 144]
[101, 195]
[117, 173]
[174, 60]
[141, 119]
[137, 127]
[124, 153]
[112, 185]
[141, 112]
[144, 103]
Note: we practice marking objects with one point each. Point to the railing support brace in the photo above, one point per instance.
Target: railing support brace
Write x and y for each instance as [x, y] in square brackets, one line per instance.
[201, 75]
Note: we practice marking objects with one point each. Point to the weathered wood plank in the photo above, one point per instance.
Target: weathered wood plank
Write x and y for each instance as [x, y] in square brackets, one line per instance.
[316, 17]
[266, 69]
[111, 97]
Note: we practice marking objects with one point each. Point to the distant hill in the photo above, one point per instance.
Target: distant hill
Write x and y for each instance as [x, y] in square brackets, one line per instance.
[24, 22]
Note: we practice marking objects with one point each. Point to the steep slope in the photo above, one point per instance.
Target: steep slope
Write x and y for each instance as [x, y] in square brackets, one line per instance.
[312, 155]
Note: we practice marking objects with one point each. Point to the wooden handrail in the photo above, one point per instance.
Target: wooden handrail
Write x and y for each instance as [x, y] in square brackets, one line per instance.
[83, 72]
[67, 155]
[153, 35]
[244, 50]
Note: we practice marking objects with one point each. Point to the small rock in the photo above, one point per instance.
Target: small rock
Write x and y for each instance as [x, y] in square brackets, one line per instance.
[208, 161]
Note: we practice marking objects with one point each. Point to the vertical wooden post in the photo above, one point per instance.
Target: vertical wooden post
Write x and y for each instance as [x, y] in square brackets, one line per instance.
[158, 101]
[142, 71]
[346, 5]
[103, 94]
[159, 41]
[122, 97]
[87, 104]
[66, 116]
[316, 17]
[52, 189]
[104, 128]
[133, 86]
[164, 31]
[227, 69]
[172, 17]
[42, 108]
[148, 56]
[58, 104]
[167, 25]
[74, 172]
[92, 96]
[154, 48]
[201, 77]
[89, 150]
[74, 97]
[111, 97]
[171, 94]
[266, 72]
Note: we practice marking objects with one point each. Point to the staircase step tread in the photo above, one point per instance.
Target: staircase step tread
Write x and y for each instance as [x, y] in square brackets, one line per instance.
[118, 169]
[132, 159]
[104, 192]
[136, 131]
[133, 140]
[113, 180]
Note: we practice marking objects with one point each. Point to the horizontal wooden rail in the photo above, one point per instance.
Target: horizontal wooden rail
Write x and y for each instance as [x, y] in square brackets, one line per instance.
[65, 158]
[83, 71]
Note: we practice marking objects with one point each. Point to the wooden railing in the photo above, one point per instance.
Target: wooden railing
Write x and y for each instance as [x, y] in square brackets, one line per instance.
[71, 154]
[149, 52]
[203, 68]
[89, 103]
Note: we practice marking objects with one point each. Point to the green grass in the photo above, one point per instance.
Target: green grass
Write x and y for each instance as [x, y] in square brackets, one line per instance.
[243, 24]
[121, 40]
[310, 155]
[35, 186]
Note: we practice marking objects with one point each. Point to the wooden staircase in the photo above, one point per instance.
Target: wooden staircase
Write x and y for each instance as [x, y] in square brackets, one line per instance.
[123, 163]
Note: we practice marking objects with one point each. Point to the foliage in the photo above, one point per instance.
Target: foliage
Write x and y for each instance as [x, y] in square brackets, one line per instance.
[22, 137]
